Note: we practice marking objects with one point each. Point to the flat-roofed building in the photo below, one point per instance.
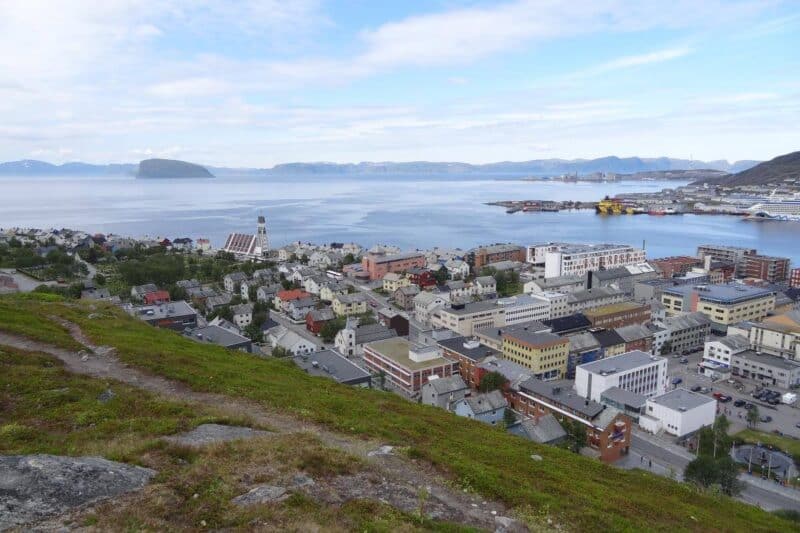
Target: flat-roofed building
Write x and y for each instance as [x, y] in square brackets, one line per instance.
[720, 252]
[176, 316]
[686, 333]
[767, 268]
[524, 308]
[466, 318]
[546, 354]
[590, 298]
[723, 304]
[618, 315]
[378, 265]
[406, 365]
[565, 259]
[482, 256]
[769, 370]
[469, 353]
[637, 371]
[678, 412]
[330, 364]
[777, 335]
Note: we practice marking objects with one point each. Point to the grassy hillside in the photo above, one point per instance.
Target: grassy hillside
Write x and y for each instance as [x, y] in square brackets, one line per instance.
[581, 493]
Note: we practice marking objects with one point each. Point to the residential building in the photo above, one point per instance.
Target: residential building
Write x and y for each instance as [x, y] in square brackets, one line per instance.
[611, 343]
[723, 304]
[404, 297]
[331, 290]
[407, 366]
[470, 354]
[280, 336]
[720, 351]
[138, 292]
[618, 315]
[427, 303]
[777, 335]
[225, 337]
[608, 429]
[177, 315]
[524, 308]
[444, 392]
[675, 266]
[466, 318]
[298, 308]
[636, 337]
[485, 286]
[794, 278]
[543, 430]
[767, 268]
[351, 339]
[232, 281]
[485, 255]
[732, 254]
[769, 370]
[686, 333]
[564, 259]
[350, 304]
[267, 293]
[590, 298]
[678, 412]
[563, 284]
[421, 277]
[284, 298]
[488, 408]
[393, 281]
[377, 265]
[317, 318]
[217, 301]
[394, 320]
[331, 365]
[637, 371]
[544, 353]
[242, 315]
[457, 269]
[156, 297]
[556, 301]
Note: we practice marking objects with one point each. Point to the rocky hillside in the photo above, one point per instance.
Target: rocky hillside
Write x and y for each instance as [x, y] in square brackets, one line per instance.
[206, 438]
[772, 173]
[171, 168]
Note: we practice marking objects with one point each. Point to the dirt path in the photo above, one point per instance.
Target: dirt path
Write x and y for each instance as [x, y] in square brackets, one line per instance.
[407, 476]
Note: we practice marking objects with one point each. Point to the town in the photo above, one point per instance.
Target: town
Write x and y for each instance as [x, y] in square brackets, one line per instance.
[667, 364]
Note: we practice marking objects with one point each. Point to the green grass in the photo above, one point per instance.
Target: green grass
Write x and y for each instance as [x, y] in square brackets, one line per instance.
[786, 444]
[581, 493]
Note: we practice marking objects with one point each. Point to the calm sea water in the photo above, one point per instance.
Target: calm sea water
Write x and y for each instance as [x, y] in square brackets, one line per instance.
[410, 212]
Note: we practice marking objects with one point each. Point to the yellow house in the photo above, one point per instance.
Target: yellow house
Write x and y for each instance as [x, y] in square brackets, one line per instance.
[543, 352]
[393, 281]
[723, 304]
[349, 304]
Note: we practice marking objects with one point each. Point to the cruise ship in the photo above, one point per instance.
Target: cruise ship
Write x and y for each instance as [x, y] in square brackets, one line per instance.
[777, 209]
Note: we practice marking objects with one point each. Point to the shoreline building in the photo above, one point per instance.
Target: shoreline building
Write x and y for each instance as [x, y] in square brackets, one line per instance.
[566, 259]
[246, 246]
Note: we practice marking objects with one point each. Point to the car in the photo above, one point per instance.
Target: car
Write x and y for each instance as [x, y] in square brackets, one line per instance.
[684, 361]
[773, 401]
[748, 406]
[766, 418]
[717, 395]
[705, 390]
[696, 388]
[724, 398]
[797, 425]
[677, 381]
[739, 403]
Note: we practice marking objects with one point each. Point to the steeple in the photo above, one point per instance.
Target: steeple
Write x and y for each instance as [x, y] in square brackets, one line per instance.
[261, 235]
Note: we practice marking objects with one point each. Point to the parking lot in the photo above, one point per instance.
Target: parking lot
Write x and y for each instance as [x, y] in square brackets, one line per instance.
[784, 417]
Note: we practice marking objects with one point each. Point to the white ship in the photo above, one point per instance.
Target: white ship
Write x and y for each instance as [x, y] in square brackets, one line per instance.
[776, 208]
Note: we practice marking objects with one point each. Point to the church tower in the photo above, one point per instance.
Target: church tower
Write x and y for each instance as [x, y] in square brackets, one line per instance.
[261, 236]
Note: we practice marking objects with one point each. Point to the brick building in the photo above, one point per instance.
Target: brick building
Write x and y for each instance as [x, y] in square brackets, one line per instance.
[408, 366]
[771, 269]
[618, 315]
[675, 266]
[469, 354]
[378, 265]
[479, 257]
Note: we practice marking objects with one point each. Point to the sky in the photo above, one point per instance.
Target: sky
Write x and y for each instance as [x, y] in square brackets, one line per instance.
[254, 83]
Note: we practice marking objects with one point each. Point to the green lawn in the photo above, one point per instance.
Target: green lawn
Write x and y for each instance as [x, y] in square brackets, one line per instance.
[786, 444]
[581, 493]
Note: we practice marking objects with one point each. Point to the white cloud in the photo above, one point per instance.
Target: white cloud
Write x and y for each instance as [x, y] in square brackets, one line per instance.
[638, 60]
[189, 88]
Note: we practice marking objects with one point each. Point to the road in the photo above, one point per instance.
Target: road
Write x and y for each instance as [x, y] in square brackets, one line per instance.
[664, 458]
[785, 417]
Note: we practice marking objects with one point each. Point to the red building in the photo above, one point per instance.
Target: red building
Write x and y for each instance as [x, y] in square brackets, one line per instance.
[771, 269]
[317, 318]
[671, 267]
[469, 354]
[407, 366]
[484, 255]
[156, 297]
[378, 265]
[422, 277]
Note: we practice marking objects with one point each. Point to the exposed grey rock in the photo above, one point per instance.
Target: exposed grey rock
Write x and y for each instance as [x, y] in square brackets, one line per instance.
[536, 457]
[260, 494]
[106, 396]
[212, 433]
[34, 487]
[383, 450]
[105, 351]
[301, 480]
[504, 524]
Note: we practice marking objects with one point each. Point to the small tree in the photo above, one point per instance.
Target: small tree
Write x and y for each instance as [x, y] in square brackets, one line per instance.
[509, 418]
[492, 381]
[752, 417]
[666, 348]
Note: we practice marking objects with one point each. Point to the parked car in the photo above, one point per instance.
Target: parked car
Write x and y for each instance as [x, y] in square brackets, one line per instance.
[766, 418]
[705, 390]
[696, 388]
[748, 406]
[684, 360]
[739, 403]
[677, 381]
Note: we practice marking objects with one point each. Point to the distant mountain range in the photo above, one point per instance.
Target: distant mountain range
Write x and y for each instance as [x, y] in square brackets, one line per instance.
[537, 167]
[772, 172]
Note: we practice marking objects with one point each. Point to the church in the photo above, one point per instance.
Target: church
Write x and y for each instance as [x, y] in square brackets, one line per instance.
[246, 246]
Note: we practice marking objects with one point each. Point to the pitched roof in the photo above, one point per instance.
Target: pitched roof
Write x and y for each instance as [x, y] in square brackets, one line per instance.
[484, 403]
[447, 385]
[544, 430]
[373, 332]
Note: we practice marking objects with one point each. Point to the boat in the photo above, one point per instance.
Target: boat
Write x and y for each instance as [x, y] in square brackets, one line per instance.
[776, 208]
[615, 206]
